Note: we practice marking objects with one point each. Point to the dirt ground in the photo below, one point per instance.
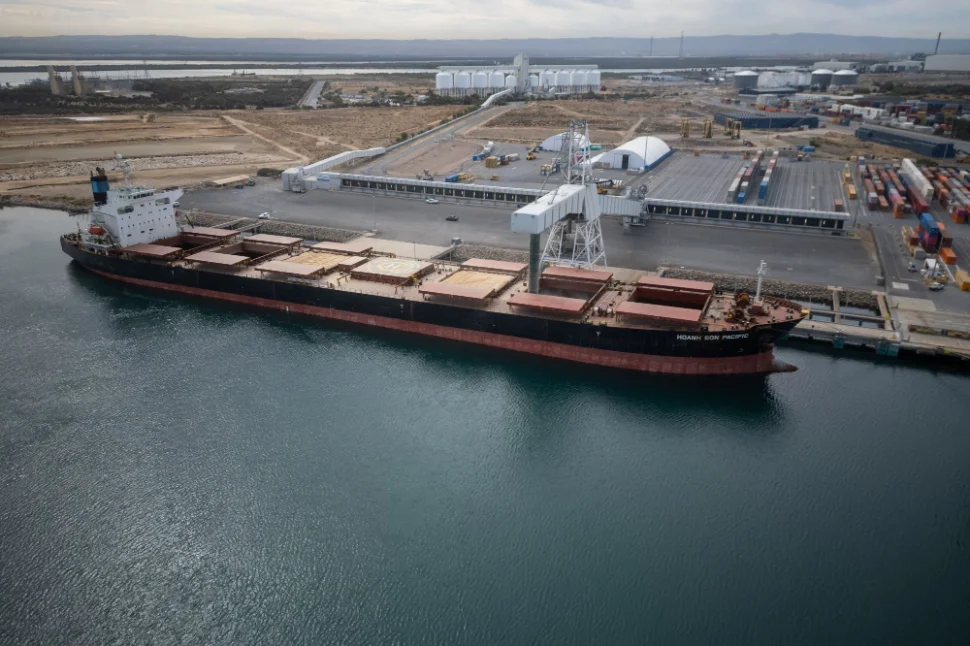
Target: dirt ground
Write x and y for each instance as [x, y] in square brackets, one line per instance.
[311, 132]
[53, 156]
[610, 121]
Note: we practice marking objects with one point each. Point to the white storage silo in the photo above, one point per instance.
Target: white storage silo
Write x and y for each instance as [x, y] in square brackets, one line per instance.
[578, 81]
[479, 82]
[548, 79]
[444, 83]
[533, 81]
[511, 81]
[845, 78]
[496, 80]
[463, 81]
[822, 78]
[745, 80]
[562, 80]
[593, 80]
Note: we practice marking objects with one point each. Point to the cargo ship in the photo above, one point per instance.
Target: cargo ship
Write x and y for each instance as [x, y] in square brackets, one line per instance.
[652, 325]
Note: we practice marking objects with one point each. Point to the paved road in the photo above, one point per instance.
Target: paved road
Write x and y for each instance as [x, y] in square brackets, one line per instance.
[313, 95]
[808, 258]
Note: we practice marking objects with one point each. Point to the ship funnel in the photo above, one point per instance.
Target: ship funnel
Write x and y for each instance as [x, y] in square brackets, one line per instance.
[99, 186]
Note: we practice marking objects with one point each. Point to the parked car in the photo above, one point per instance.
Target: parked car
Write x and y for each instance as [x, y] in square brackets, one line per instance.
[265, 215]
[250, 182]
[176, 204]
[239, 186]
[936, 286]
[452, 218]
[431, 200]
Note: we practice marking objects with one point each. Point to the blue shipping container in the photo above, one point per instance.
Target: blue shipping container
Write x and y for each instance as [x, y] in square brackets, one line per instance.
[740, 198]
[452, 178]
[808, 149]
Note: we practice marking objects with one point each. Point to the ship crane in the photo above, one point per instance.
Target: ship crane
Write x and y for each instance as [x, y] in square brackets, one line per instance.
[571, 213]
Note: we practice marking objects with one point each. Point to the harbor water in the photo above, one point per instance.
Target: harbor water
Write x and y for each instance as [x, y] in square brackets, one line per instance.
[177, 471]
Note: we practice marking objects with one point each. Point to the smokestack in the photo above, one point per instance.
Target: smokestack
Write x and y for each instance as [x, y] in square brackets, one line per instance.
[55, 82]
[681, 53]
[76, 80]
[99, 186]
[937, 50]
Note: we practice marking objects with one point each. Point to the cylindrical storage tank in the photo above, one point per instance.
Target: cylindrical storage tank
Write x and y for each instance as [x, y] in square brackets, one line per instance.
[745, 80]
[845, 78]
[463, 81]
[496, 80]
[578, 80]
[444, 81]
[480, 81]
[822, 78]
[533, 81]
[562, 79]
[593, 80]
[548, 79]
[511, 81]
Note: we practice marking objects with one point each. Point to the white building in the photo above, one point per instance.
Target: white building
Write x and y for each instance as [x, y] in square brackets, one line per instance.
[835, 65]
[556, 143]
[947, 63]
[486, 80]
[641, 153]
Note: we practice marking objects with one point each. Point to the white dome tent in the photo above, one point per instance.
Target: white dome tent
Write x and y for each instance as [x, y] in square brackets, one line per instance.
[558, 142]
[641, 153]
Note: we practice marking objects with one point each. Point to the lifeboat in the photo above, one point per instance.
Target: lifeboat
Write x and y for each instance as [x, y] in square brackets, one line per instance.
[96, 230]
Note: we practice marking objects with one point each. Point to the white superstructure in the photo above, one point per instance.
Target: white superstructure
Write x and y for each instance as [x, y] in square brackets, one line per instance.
[137, 214]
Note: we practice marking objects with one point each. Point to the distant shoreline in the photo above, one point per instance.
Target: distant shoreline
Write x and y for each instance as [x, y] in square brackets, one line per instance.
[603, 62]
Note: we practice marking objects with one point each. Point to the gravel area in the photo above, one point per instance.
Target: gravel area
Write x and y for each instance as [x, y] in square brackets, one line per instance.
[793, 291]
[276, 227]
[464, 252]
[83, 167]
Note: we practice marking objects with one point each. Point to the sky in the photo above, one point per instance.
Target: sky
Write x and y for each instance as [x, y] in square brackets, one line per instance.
[442, 19]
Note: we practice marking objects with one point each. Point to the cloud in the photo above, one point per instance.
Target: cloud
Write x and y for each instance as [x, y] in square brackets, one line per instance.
[433, 19]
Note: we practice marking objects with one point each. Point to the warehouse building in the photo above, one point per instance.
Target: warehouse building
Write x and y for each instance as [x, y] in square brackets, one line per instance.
[926, 145]
[947, 63]
[641, 153]
[762, 120]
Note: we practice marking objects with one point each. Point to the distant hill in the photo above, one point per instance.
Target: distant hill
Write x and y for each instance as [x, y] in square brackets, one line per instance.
[178, 47]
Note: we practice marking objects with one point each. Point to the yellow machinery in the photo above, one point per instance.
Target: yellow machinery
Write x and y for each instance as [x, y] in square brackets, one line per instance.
[708, 129]
[685, 128]
[530, 157]
[737, 130]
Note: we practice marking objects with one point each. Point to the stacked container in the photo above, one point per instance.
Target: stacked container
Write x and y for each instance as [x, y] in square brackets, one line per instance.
[763, 189]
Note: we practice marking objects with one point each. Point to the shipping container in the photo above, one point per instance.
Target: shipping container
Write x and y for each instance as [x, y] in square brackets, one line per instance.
[948, 257]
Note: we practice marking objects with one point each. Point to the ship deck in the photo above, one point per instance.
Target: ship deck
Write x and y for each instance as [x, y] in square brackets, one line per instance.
[566, 294]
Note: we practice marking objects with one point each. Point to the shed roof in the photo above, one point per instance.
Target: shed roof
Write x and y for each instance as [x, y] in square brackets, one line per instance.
[216, 258]
[587, 275]
[271, 239]
[699, 286]
[354, 247]
[291, 268]
[212, 232]
[495, 265]
[664, 312]
[152, 250]
[469, 292]
[557, 304]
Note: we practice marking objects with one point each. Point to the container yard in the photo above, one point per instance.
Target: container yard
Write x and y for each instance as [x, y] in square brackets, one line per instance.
[770, 180]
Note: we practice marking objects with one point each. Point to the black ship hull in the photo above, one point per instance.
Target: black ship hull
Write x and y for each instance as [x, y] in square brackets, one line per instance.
[659, 351]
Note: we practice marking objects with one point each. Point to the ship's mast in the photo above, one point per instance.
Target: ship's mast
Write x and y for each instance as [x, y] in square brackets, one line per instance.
[762, 270]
